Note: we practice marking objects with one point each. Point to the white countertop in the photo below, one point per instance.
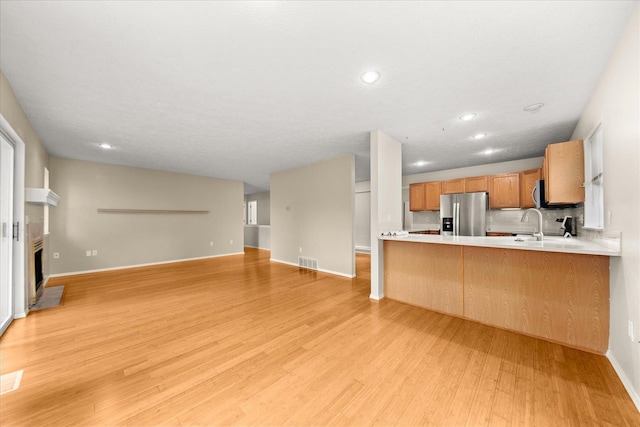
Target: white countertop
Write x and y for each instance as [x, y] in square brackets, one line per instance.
[549, 244]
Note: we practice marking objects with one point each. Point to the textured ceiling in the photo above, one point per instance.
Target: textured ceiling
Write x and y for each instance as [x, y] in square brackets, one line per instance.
[240, 90]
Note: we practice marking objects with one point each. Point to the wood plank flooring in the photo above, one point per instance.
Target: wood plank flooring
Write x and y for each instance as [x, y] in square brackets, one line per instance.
[241, 341]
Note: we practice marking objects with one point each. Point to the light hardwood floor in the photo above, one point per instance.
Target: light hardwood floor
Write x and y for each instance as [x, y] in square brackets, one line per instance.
[240, 340]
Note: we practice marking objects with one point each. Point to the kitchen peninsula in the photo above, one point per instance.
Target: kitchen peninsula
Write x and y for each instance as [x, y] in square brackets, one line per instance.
[556, 289]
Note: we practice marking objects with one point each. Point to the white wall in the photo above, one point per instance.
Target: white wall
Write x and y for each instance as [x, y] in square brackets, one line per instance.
[312, 208]
[615, 103]
[123, 239]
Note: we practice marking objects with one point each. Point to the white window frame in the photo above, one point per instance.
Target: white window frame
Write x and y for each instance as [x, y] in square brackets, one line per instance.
[594, 180]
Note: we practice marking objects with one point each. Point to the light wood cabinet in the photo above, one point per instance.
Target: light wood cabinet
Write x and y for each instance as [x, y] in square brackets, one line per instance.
[476, 184]
[426, 275]
[453, 186]
[564, 172]
[504, 191]
[527, 184]
[425, 196]
[560, 297]
[417, 197]
[433, 190]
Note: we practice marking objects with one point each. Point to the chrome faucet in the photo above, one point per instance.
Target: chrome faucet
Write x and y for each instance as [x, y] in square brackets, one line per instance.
[539, 236]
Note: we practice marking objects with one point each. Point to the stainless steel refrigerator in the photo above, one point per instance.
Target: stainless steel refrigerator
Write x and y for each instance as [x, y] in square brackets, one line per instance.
[464, 214]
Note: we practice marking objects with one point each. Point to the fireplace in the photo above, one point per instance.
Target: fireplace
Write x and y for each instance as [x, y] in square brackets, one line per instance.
[35, 255]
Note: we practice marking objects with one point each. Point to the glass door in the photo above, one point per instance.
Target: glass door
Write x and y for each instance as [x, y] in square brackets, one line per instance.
[6, 233]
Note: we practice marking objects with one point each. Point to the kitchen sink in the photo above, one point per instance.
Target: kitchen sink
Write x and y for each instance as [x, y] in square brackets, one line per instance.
[548, 242]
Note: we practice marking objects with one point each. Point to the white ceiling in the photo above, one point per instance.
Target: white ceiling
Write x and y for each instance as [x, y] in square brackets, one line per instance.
[240, 90]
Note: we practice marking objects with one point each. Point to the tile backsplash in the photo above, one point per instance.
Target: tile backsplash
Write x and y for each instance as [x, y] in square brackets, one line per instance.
[507, 221]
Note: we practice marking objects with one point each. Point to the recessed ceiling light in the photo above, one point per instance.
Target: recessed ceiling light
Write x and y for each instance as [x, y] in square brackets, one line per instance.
[479, 135]
[490, 151]
[421, 163]
[467, 117]
[533, 107]
[370, 77]
[105, 146]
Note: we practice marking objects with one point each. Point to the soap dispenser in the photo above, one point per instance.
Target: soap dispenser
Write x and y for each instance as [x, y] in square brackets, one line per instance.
[566, 228]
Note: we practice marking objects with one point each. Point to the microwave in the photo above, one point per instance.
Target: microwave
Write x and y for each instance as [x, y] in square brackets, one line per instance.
[538, 196]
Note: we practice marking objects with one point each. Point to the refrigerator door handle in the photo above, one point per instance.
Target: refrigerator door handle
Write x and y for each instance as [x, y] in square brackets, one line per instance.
[456, 219]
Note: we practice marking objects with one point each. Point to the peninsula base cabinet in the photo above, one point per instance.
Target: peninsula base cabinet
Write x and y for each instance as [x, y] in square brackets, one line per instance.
[560, 297]
[425, 275]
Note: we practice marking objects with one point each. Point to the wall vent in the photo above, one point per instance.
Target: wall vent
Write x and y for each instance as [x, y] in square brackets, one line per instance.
[310, 263]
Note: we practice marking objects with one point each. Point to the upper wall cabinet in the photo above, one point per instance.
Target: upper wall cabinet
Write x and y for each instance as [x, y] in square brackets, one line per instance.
[476, 184]
[417, 197]
[453, 186]
[564, 172]
[527, 185]
[425, 196]
[433, 189]
[504, 191]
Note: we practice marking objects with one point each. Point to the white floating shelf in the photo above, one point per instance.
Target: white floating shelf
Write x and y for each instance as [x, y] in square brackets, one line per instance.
[42, 196]
[151, 211]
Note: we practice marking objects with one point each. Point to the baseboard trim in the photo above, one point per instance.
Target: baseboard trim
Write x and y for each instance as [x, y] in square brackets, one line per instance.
[257, 247]
[626, 382]
[124, 267]
[322, 270]
[376, 297]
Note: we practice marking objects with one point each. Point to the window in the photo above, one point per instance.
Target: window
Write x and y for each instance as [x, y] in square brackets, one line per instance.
[593, 186]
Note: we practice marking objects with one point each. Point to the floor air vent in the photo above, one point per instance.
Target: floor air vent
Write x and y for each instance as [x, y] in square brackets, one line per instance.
[310, 263]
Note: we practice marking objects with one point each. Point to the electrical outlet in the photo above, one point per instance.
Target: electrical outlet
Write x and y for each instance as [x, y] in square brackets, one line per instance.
[88, 253]
[630, 331]
[210, 243]
[608, 217]
[94, 252]
[56, 255]
[300, 249]
[231, 242]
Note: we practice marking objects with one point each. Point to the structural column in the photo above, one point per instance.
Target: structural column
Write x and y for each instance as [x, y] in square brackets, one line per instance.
[386, 201]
